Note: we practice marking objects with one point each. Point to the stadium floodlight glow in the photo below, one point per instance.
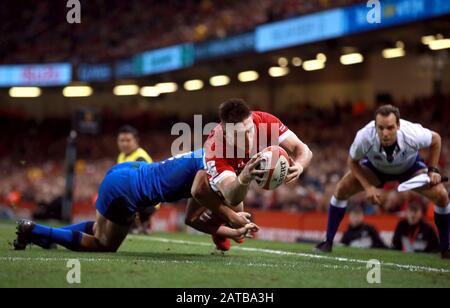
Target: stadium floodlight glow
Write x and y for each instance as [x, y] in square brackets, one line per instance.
[283, 62]
[25, 92]
[427, 39]
[248, 76]
[316, 64]
[397, 52]
[321, 57]
[276, 71]
[351, 58]
[313, 65]
[193, 85]
[126, 90]
[149, 92]
[391, 53]
[297, 62]
[439, 44]
[167, 87]
[77, 91]
[219, 81]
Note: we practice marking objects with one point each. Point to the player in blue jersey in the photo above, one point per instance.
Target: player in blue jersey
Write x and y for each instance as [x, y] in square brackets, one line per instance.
[126, 189]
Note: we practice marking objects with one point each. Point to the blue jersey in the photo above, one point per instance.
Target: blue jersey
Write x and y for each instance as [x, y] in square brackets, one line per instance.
[169, 180]
[135, 185]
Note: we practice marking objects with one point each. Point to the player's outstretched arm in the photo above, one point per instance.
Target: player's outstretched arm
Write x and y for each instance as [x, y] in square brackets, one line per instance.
[234, 189]
[206, 197]
[238, 234]
[435, 154]
[202, 220]
[300, 154]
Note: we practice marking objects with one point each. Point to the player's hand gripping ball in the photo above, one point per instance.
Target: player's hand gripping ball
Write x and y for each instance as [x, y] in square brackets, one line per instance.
[275, 161]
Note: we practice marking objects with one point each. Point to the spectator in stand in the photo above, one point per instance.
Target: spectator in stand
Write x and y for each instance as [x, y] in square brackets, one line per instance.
[413, 234]
[360, 234]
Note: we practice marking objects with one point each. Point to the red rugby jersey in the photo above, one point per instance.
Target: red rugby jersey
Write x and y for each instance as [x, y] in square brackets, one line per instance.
[222, 160]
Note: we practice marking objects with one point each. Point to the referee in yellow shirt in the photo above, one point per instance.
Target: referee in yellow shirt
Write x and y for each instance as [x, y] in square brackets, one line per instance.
[128, 143]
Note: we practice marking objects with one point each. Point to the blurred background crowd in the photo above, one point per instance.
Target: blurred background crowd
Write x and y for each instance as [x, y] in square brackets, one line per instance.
[32, 165]
[112, 29]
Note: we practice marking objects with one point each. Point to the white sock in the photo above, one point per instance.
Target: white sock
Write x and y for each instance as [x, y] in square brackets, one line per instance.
[342, 204]
[442, 211]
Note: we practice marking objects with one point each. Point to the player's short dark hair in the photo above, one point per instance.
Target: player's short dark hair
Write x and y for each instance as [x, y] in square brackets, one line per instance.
[128, 129]
[387, 110]
[234, 110]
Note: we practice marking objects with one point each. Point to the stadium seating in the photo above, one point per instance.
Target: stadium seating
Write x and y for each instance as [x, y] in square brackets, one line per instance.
[124, 29]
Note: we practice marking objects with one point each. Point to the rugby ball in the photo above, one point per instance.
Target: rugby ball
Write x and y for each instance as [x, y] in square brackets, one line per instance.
[275, 161]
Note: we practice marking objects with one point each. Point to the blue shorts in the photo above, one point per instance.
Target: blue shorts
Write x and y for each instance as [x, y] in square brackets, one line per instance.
[384, 178]
[116, 200]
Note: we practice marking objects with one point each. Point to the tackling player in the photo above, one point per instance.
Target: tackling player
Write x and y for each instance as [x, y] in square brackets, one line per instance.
[127, 188]
[229, 163]
[128, 144]
[386, 150]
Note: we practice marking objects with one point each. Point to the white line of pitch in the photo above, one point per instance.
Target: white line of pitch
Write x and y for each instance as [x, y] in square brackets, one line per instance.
[89, 260]
[412, 268]
[104, 260]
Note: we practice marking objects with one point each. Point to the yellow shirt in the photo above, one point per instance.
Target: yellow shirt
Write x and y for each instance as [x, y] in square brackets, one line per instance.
[138, 155]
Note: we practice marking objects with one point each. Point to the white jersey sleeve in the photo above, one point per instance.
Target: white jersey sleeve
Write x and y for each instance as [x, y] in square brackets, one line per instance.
[361, 145]
[416, 135]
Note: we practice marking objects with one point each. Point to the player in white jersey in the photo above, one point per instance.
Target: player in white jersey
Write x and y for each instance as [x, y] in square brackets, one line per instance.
[387, 150]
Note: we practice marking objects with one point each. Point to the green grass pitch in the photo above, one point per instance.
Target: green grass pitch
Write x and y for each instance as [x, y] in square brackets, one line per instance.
[185, 261]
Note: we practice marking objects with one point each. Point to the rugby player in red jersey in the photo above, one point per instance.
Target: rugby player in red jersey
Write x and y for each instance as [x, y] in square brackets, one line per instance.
[232, 161]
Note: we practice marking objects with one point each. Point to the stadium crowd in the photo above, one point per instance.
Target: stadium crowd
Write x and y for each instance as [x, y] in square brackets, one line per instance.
[32, 166]
[114, 29]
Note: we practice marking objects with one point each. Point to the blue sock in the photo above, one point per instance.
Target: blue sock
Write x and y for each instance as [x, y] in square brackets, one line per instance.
[335, 215]
[442, 221]
[67, 238]
[84, 227]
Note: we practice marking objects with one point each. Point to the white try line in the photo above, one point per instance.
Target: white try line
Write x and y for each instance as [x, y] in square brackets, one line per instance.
[409, 267]
[93, 260]
[160, 262]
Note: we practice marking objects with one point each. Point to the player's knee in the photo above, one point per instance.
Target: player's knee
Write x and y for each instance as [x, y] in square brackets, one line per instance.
[342, 191]
[200, 187]
[112, 249]
[196, 190]
[108, 248]
[441, 196]
[105, 245]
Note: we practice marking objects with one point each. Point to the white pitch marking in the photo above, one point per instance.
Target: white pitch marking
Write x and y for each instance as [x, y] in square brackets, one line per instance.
[100, 260]
[409, 267]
